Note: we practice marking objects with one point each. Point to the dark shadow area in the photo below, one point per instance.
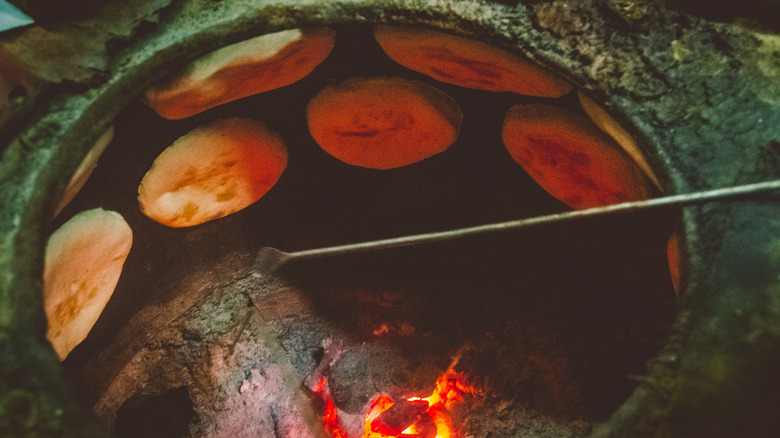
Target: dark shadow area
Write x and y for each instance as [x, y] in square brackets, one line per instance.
[160, 416]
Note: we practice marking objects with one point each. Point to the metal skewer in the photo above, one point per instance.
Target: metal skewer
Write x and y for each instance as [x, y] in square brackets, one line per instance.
[270, 259]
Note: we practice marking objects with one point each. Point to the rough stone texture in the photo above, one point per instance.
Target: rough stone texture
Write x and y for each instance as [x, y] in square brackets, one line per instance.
[227, 356]
[704, 94]
[66, 55]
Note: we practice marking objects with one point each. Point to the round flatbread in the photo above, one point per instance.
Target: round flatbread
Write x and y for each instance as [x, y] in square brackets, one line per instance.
[211, 172]
[250, 67]
[572, 159]
[383, 123]
[467, 63]
[82, 265]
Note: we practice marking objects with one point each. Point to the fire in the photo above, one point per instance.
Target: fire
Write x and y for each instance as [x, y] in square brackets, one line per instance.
[332, 421]
[413, 417]
[420, 416]
[330, 417]
[379, 405]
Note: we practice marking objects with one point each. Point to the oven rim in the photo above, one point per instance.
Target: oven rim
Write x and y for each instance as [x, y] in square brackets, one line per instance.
[716, 237]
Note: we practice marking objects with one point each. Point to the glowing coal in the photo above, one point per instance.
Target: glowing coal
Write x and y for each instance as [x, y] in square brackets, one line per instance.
[419, 417]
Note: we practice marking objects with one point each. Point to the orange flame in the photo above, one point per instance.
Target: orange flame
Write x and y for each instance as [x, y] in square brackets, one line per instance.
[332, 425]
[451, 387]
[379, 405]
[330, 417]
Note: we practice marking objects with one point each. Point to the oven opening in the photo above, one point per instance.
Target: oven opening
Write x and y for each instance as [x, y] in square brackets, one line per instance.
[541, 332]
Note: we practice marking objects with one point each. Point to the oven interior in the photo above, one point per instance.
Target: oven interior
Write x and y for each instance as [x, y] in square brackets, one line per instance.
[549, 329]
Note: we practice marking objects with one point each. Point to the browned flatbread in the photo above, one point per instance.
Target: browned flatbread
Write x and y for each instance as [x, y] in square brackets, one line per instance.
[571, 158]
[250, 67]
[467, 63]
[211, 172]
[383, 123]
[608, 124]
[83, 172]
[83, 262]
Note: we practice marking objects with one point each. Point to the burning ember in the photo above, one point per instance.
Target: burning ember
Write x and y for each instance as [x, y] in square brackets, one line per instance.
[413, 417]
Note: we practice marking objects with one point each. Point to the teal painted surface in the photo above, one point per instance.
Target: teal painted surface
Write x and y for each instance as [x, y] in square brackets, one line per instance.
[11, 17]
